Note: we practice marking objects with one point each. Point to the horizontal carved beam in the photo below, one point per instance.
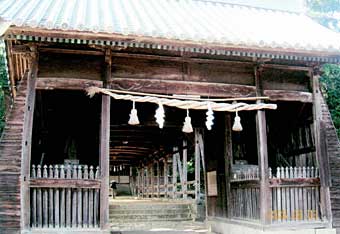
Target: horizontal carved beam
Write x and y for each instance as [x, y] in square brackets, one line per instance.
[183, 87]
[50, 83]
[288, 95]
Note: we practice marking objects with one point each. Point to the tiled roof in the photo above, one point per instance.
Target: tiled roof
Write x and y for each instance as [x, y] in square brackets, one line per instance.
[197, 21]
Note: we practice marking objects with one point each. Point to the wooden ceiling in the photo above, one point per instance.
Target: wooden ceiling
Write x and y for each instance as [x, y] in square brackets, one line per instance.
[132, 145]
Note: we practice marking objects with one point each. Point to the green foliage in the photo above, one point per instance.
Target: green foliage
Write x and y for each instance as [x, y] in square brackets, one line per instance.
[3, 87]
[323, 5]
[331, 72]
[331, 87]
[324, 11]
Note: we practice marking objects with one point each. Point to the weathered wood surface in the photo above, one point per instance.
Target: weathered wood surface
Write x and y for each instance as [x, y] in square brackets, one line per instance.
[285, 80]
[50, 83]
[104, 150]
[48, 208]
[57, 183]
[10, 164]
[27, 139]
[245, 202]
[295, 195]
[262, 153]
[70, 65]
[288, 95]
[182, 87]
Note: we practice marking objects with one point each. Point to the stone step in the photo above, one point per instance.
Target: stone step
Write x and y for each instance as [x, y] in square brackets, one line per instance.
[170, 227]
[149, 212]
[162, 232]
[151, 217]
[152, 206]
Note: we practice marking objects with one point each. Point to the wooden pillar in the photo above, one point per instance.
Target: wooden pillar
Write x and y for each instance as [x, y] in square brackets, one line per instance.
[27, 139]
[158, 178]
[143, 181]
[152, 179]
[185, 171]
[138, 181]
[166, 181]
[147, 181]
[105, 149]
[174, 175]
[262, 152]
[197, 166]
[321, 149]
[228, 160]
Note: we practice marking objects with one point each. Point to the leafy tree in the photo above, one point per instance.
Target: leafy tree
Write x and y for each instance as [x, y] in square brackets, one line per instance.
[325, 6]
[324, 12]
[331, 86]
[4, 92]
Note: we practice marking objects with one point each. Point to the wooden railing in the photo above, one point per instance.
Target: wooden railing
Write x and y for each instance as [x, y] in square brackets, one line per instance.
[295, 195]
[64, 197]
[162, 189]
[245, 199]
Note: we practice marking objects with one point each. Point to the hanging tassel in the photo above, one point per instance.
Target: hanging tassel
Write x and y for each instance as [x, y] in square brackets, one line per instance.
[237, 123]
[187, 127]
[133, 115]
[160, 115]
[210, 117]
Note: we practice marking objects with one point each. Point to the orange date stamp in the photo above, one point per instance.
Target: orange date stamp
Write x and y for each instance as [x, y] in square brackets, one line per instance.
[276, 215]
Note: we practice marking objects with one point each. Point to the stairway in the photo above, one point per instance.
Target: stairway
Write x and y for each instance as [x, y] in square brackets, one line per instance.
[333, 152]
[142, 216]
[10, 163]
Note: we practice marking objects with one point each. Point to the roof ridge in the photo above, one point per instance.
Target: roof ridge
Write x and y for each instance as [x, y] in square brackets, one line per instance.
[245, 6]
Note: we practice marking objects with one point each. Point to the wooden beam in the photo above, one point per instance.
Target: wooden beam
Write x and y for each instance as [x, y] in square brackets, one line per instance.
[20, 49]
[288, 95]
[294, 182]
[183, 87]
[71, 51]
[65, 183]
[50, 83]
[105, 151]
[286, 67]
[261, 130]
[27, 140]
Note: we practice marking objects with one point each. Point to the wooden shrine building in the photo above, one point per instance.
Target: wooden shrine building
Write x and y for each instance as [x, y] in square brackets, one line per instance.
[210, 104]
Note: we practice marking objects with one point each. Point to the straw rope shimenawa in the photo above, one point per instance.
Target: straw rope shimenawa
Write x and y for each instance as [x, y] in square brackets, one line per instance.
[184, 102]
